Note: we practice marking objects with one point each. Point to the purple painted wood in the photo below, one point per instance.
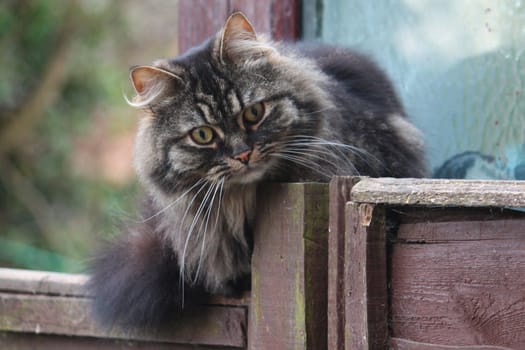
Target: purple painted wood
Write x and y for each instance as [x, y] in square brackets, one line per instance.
[200, 19]
[340, 188]
[366, 294]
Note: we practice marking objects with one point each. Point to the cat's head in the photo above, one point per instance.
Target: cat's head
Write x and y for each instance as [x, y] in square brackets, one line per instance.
[221, 111]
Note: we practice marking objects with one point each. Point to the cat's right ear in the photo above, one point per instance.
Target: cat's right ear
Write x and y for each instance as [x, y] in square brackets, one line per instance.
[149, 83]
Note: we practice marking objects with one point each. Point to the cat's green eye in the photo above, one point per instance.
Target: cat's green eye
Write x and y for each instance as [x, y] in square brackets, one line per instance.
[202, 135]
[254, 113]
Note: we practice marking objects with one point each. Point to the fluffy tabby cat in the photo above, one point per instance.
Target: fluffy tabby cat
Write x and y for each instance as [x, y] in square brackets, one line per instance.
[220, 119]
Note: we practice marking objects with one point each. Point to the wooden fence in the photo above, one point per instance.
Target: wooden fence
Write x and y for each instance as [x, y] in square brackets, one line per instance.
[358, 264]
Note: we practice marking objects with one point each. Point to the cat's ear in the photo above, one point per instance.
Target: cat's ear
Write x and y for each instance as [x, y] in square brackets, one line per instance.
[150, 82]
[238, 40]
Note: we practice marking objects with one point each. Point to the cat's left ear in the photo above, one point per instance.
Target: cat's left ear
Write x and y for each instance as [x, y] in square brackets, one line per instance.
[150, 82]
[238, 40]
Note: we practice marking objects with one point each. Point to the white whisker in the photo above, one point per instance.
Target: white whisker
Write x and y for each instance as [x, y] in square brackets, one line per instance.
[182, 262]
[307, 163]
[194, 222]
[308, 141]
[205, 231]
[172, 203]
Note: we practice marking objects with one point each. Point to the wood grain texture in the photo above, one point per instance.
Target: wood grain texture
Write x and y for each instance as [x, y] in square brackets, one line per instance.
[366, 297]
[419, 214]
[479, 230]
[339, 194]
[200, 19]
[460, 292]
[31, 341]
[405, 344]
[289, 268]
[41, 314]
[433, 192]
[42, 282]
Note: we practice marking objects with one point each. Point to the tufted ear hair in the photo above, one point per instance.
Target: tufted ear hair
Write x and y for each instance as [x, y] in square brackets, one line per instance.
[238, 40]
[149, 83]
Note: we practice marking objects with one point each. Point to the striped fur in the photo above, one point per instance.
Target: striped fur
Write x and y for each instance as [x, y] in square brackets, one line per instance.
[326, 111]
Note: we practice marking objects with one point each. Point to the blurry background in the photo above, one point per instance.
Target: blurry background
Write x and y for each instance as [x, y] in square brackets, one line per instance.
[66, 133]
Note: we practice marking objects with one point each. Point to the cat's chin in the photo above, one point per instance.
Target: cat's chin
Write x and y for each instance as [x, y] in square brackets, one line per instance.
[247, 176]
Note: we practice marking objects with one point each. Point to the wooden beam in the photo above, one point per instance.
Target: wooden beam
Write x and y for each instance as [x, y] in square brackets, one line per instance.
[42, 282]
[39, 302]
[460, 292]
[200, 19]
[24, 341]
[40, 314]
[434, 192]
[289, 273]
[366, 293]
[406, 344]
[340, 188]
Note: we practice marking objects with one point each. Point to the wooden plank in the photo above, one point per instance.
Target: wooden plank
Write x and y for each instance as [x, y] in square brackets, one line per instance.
[40, 314]
[437, 192]
[289, 276]
[27, 341]
[460, 293]
[22, 281]
[366, 310]
[339, 194]
[411, 214]
[405, 344]
[200, 19]
[479, 230]
[42, 282]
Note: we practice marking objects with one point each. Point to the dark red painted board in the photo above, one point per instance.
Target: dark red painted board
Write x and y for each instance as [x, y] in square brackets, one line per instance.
[200, 19]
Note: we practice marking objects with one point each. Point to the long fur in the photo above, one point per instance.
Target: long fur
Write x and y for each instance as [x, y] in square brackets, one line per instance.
[327, 111]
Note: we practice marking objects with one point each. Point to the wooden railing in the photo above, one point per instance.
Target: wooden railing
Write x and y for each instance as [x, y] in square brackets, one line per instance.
[360, 264]
[426, 264]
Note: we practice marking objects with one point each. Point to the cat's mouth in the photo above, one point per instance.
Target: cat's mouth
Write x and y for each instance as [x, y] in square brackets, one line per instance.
[252, 170]
[248, 173]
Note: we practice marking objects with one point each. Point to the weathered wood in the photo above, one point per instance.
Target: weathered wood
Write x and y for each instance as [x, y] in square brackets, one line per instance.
[433, 192]
[460, 292]
[27, 341]
[42, 282]
[289, 276]
[366, 311]
[339, 194]
[208, 325]
[418, 214]
[405, 344]
[200, 19]
[480, 230]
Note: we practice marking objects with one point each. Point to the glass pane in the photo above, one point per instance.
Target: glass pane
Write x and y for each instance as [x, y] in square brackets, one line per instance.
[459, 67]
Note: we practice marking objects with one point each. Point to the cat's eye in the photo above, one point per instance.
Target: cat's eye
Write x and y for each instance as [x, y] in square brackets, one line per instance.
[202, 135]
[254, 113]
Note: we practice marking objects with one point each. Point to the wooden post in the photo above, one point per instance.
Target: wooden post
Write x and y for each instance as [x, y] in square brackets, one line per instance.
[366, 294]
[200, 19]
[289, 268]
[340, 188]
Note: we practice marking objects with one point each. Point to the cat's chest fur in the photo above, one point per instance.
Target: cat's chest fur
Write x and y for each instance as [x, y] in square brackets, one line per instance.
[208, 234]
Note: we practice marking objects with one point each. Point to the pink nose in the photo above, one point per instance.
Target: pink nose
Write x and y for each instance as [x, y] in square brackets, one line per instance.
[243, 157]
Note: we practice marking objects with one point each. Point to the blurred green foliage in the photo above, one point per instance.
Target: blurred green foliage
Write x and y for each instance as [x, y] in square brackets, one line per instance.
[51, 216]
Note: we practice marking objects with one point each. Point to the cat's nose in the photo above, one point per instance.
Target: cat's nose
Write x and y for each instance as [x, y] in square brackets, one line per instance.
[243, 157]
